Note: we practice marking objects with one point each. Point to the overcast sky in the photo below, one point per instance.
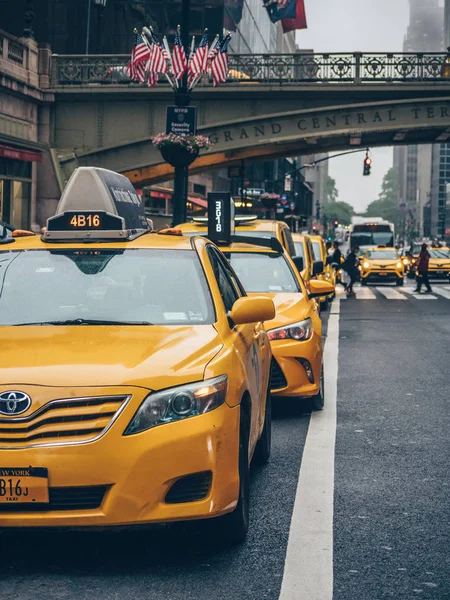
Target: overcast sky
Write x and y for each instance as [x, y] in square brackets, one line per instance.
[351, 26]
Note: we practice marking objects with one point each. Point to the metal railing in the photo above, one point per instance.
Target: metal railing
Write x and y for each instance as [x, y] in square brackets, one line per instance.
[356, 68]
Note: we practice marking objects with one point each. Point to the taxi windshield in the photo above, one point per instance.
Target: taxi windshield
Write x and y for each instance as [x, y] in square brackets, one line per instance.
[443, 253]
[382, 254]
[316, 250]
[104, 287]
[265, 273]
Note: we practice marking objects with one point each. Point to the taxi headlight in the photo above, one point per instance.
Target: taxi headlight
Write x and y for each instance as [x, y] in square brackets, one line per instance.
[178, 403]
[405, 261]
[300, 331]
[399, 265]
[366, 265]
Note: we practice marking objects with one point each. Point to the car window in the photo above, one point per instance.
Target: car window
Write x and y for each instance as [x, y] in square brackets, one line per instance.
[299, 250]
[226, 287]
[317, 251]
[290, 241]
[382, 254]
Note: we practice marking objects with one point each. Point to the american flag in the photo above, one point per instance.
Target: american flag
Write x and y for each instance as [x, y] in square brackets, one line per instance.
[179, 60]
[157, 62]
[139, 54]
[199, 62]
[219, 64]
[213, 51]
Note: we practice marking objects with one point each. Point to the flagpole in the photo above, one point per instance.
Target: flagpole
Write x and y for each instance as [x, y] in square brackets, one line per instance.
[182, 98]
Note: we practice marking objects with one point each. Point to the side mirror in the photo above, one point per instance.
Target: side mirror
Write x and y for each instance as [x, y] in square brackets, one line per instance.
[318, 288]
[298, 262]
[318, 267]
[252, 309]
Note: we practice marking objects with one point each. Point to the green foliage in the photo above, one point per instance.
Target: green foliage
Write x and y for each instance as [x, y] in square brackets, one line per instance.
[333, 208]
[386, 206]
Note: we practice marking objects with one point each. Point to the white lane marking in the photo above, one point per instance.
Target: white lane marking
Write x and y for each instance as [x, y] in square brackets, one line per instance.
[442, 291]
[308, 570]
[340, 293]
[424, 297]
[408, 290]
[390, 294]
[363, 293]
[446, 287]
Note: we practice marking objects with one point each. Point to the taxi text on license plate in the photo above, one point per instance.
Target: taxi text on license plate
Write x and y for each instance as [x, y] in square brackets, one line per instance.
[23, 485]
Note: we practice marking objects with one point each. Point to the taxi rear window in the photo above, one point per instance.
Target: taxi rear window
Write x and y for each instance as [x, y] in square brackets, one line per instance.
[124, 287]
[264, 273]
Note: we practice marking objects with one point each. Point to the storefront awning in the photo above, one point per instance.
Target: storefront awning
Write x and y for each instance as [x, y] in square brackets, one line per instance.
[198, 201]
[20, 154]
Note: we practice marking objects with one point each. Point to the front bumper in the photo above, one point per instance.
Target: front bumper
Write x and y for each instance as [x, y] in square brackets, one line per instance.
[136, 473]
[381, 275]
[439, 274]
[289, 377]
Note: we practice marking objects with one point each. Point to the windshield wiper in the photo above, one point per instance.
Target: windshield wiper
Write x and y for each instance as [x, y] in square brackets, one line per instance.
[81, 321]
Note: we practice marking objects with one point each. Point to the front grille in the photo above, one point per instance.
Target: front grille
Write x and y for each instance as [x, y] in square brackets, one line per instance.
[190, 488]
[62, 421]
[63, 498]
[277, 378]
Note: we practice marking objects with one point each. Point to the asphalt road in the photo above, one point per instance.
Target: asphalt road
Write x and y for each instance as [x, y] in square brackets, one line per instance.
[391, 490]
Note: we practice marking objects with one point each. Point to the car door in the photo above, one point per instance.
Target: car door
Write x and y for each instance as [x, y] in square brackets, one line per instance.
[247, 341]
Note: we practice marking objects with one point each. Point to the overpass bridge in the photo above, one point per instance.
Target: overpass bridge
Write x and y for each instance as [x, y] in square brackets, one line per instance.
[271, 106]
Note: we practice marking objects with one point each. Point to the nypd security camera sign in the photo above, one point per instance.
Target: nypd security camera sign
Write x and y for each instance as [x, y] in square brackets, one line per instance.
[220, 216]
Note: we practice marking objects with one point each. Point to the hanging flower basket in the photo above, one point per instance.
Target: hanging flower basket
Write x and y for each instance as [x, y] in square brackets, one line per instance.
[269, 200]
[180, 150]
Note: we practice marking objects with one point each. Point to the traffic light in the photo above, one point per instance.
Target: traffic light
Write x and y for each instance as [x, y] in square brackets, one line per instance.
[367, 165]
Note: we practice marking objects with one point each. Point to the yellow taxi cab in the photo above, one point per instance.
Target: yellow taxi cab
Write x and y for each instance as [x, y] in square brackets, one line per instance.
[439, 264]
[248, 225]
[134, 371]
[295, 332]
[304, 250]
[328, 273]
[382, 264]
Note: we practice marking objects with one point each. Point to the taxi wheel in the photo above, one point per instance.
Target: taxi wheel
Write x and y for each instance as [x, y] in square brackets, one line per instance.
[324, 305]
[233, 527]
[363, 281]
[400, 282]
[317, 402]
[262, 450]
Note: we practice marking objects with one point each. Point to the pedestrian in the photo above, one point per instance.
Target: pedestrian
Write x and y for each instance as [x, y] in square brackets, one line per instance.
[335, 261]
[350, 266]
[328, 246]
[422, 270]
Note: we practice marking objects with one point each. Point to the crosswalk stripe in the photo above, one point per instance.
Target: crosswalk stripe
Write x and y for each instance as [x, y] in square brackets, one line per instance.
[442, 291]
[390, 293]
[424, 297]
[364, 293]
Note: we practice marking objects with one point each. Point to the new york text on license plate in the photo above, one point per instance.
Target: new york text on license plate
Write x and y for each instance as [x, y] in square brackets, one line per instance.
[18, 484]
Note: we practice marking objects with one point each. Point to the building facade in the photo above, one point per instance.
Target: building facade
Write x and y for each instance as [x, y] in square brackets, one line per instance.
[419, 177]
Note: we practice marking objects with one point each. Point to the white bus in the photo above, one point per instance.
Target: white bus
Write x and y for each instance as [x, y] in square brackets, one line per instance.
[370, 232]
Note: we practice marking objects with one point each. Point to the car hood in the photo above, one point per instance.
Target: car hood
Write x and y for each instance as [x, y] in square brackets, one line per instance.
[440, 261]
[383, 262]
[151, 357]
[289, 308]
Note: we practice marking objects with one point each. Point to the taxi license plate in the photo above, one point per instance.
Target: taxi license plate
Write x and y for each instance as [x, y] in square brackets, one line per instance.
[23, 485]
[440, 271]
[382, 273]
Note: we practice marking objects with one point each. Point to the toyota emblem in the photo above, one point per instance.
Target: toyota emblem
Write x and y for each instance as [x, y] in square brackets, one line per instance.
[14, 403]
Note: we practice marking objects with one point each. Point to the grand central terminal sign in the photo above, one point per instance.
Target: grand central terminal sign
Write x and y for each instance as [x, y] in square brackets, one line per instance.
[314, 123]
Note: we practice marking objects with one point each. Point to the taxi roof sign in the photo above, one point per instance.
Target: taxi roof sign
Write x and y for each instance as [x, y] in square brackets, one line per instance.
[97, 204]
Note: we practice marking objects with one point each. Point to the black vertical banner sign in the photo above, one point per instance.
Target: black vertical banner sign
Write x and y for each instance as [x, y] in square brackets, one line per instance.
[220, 216]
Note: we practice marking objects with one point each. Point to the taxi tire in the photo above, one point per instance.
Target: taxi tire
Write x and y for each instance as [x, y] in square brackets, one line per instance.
[263, 445]
[324, 305]
[233, 527]
[363, 281]
[317, 402]
[399, 282]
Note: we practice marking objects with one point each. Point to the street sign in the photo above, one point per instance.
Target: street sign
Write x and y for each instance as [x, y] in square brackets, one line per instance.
[220, 216]
[181, 120]
[254, 192]
[234, 172]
